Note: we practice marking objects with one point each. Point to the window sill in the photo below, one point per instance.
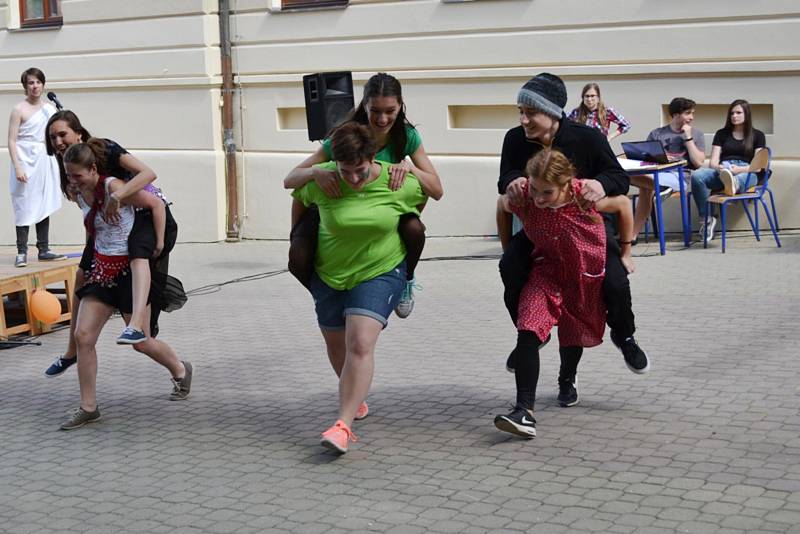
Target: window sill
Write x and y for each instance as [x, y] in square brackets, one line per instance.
[275, 6]
[37, 27]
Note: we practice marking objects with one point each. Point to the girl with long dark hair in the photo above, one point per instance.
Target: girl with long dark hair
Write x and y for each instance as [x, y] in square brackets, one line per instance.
[149, 247]
[732, 149]
[381, 109]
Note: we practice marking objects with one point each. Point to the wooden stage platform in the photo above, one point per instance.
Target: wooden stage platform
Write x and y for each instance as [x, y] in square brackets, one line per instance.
[17, 285]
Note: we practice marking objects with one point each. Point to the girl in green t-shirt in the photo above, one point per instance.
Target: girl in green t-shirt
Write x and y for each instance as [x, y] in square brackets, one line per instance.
[383, 111]
[360, 265]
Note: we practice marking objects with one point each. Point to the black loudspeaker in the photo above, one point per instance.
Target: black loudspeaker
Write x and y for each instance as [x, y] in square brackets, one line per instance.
[329, 98]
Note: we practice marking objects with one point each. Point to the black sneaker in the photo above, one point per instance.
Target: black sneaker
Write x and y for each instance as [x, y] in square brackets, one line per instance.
[567, 394]
[511, 361]
[635, 358]
[60, 365]
[48, 255]
[518, 422]
[181, 388]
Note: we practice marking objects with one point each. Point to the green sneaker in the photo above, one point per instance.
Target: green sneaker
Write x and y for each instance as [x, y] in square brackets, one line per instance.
[182, 387]
[81, 417]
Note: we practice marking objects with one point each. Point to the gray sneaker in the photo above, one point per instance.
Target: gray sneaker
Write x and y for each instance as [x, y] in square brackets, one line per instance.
[182, 387]
[81, 417]
[21, 260]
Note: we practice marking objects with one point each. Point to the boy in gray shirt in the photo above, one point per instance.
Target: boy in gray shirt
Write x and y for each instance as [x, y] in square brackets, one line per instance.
[680, 141]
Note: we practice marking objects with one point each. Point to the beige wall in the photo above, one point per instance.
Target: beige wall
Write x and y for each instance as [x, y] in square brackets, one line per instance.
[478, 54]
[148, 78]
[147, 74]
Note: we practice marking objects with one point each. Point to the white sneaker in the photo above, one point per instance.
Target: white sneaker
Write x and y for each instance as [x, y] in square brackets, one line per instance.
[728, 181]
[708, 231]
[406, 303]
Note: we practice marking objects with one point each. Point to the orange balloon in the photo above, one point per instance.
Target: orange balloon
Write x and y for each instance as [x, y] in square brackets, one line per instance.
[45, 306]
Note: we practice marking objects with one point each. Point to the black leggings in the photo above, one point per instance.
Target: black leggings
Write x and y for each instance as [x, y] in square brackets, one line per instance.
[570, 358]
[526, 371]
[515, 266]
[42, 236]
[303, 244]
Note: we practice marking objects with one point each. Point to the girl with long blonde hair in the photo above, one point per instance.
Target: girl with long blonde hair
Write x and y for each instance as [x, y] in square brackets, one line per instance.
[593, 112]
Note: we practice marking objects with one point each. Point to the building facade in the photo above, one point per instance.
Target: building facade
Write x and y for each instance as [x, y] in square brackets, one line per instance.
[148, 75]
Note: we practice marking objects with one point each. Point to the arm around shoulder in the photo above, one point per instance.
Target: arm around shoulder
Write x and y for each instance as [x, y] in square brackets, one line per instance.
[142, 176]
[304, 172]
[425, 172]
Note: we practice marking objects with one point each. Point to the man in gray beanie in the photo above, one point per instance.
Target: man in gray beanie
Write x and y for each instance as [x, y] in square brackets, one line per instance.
[543, 123]
[545, 93]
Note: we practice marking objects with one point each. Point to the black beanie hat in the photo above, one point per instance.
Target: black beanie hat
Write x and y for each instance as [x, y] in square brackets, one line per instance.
[544, 92]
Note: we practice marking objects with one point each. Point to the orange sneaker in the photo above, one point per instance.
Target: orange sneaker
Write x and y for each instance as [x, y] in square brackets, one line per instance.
[337, 437]
[362, 412]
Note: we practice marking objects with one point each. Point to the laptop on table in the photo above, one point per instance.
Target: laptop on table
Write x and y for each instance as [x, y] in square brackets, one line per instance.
[650, 151]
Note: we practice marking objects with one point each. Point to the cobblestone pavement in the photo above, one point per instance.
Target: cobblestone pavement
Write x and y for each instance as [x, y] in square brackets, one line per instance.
[706, 442]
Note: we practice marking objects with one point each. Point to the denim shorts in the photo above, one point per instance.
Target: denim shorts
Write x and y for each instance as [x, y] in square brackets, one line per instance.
[374, 298]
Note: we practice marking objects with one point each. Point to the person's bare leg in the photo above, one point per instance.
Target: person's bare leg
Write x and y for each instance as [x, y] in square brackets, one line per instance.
[505, 225]
[337, 350]
[157, 350]
[645, 204]
[72, 348]
[140, 280]
[92, 315]
[361, 336]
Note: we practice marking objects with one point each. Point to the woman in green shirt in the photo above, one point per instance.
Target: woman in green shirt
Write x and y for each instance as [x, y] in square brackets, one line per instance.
[383, 111]
[360, 265]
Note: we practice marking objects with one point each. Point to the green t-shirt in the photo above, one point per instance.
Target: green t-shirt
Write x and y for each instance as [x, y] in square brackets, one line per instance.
[358, 237]
[386, 153]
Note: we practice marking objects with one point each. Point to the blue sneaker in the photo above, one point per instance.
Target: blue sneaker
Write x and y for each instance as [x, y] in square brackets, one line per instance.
[406, 303]
[131, 336]
[60, 365]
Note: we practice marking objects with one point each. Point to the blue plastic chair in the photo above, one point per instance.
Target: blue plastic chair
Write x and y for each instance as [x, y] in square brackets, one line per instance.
[762, 162]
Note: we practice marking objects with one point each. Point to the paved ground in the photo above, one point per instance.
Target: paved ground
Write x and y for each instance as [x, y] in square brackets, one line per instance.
[707, 442]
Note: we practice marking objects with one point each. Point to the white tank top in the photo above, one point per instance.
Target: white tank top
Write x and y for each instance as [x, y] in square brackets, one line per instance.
[110, 239]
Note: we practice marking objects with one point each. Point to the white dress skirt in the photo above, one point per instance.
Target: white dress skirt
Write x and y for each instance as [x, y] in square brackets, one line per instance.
[40, 196]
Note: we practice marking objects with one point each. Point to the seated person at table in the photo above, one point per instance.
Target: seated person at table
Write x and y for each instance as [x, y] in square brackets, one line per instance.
[680, 140]
[732, 150]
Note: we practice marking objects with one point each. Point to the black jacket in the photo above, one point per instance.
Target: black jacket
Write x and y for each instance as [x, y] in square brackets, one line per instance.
[585, 147]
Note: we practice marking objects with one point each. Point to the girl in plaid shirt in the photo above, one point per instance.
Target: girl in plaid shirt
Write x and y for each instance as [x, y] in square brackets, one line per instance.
[592, 112]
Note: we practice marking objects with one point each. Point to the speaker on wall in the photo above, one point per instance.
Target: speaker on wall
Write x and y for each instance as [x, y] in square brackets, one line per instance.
[329, 98]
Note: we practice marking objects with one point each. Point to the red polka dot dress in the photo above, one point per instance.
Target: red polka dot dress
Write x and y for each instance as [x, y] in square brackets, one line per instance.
[565, 284]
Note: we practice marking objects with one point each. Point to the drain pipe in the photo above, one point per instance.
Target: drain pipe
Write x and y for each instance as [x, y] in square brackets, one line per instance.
[231, 182]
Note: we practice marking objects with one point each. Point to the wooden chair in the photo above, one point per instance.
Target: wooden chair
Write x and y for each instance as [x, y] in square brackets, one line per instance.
[761, 164]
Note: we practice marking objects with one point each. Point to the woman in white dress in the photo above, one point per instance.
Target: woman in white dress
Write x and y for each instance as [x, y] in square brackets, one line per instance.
[34, 177]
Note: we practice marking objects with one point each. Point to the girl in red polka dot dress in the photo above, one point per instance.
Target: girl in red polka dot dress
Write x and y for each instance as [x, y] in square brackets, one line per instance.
[565, 283]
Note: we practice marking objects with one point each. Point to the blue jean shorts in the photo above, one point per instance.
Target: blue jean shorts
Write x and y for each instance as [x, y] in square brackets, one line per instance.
[374, 298]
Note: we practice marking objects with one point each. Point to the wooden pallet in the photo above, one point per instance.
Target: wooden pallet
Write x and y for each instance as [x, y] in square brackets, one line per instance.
[19, 284]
